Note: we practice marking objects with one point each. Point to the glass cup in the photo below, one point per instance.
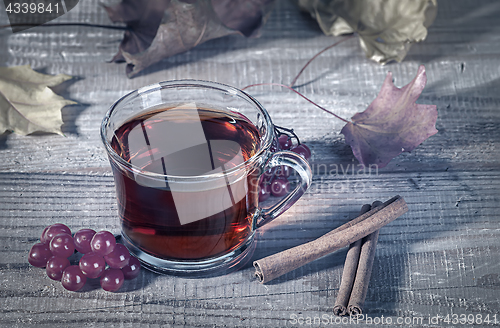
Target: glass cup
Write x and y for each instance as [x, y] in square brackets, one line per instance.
[186, 158]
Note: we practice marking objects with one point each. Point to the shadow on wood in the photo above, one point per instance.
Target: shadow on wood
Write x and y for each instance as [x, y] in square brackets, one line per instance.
[468, 20]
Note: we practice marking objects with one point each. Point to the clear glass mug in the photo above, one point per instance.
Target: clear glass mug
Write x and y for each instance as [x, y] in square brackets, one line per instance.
[186, 157]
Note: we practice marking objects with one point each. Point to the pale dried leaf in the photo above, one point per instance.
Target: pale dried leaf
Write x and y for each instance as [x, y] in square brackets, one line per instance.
[27, 105]
[386, 28]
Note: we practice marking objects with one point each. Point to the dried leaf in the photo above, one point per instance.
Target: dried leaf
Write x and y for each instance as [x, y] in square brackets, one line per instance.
[392, 124]
[386, 28]
[27, 104]
[162, 28]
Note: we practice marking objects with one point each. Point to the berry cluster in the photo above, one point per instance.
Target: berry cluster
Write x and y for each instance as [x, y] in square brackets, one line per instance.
[275, 181]
[98, 249]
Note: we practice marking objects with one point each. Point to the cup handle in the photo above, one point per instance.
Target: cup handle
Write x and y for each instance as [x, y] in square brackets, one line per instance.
[301, 166]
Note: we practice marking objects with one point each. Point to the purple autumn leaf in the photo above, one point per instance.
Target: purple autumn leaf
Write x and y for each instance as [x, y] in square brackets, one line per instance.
[392, 124]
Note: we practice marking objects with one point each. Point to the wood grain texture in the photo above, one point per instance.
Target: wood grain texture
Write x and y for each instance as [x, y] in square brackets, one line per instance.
[440, 258]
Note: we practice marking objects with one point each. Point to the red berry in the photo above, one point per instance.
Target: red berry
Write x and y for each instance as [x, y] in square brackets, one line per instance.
[264, 191]
[302, 150]
[132, 269]
[92, 265]
[56, 229]
[112, 280]
[39, 255]
[283, 171]
[285, 142]
[62, 245]
[103, 243]
[118, 258]
[279, 187]
[73, 279]
[56, 266]
[82, 240]
[43, 239]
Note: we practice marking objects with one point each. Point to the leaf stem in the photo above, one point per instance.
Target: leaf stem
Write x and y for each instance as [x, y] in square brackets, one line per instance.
[319, 53]
[278, 130]
[292, 89]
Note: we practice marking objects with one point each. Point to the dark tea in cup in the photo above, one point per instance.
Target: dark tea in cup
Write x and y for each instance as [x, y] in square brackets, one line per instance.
[184, 141]
[186, 158]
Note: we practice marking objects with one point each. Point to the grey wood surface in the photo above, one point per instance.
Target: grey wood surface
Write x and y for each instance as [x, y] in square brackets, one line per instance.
[441, 258]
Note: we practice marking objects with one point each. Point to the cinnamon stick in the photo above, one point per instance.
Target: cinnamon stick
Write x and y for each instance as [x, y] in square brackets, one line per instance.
[281, 263]
[349, 273]
[363, 272]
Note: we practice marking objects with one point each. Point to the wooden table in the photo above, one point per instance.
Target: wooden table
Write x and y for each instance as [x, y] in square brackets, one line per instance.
[441, 258]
